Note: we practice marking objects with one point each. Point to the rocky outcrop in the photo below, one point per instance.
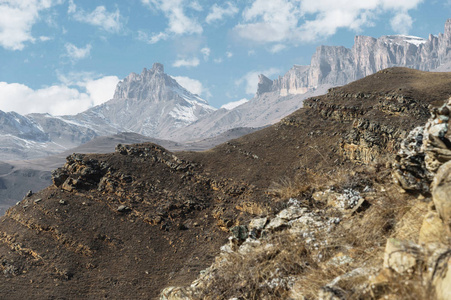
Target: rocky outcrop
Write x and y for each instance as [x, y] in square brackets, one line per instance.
[264, 84]
[79, 173]
[294, 82]
[424, 150]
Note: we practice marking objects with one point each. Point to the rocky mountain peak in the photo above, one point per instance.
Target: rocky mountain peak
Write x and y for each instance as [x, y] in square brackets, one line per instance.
[157, 67]
[447, 31]
[264, 84]
[151, 84]
[152, 103]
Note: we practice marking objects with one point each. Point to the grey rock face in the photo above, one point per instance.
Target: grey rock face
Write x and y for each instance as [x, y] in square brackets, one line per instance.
[337, 65]
[151, 103]
[264, 84]
[14, 124]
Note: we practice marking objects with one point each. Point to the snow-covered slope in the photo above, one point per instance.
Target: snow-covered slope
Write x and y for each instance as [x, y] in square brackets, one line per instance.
[36, 135]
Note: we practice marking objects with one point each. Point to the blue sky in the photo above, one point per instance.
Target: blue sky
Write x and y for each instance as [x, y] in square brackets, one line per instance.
[64, 56]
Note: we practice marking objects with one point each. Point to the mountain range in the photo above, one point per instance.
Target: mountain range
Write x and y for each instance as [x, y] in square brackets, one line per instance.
[152, 106]
[153, 103]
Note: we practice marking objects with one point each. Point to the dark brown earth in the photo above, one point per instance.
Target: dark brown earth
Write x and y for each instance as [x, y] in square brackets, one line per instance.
[127, 224]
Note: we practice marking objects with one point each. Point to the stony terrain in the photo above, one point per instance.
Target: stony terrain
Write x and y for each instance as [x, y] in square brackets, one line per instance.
[132, 223]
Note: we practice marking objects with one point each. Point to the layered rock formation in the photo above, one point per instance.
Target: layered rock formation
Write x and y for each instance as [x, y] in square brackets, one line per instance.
[330, 66]
[337, 65]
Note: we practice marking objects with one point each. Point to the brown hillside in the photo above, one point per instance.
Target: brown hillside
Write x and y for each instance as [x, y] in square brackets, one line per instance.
[127, 224]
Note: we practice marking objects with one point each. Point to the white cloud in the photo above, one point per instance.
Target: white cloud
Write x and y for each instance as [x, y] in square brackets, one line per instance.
[17, 18]
[75, 53]
[45, 38]
[196, 6]
[100, 17]
[152, 39]
[205, 52]
[229, 54]
[232, 105]
[251, 79]
[192, 85]
[277, 48]
[217, 60]
[102, 89]
[218, 13]
[186, 62]
[58, 99]
[178, 21]
[401, 23]
[294, 21]
[269, 20]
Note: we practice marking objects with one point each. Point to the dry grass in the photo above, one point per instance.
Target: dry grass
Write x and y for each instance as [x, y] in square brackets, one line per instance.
[289, 188]
[300, 271]
[266, 273]
[308, 180]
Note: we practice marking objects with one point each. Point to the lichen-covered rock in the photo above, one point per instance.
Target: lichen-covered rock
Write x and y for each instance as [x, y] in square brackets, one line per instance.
[401, 256]
[176, 293]
[240, 232]
[423, 152]
[410, 169]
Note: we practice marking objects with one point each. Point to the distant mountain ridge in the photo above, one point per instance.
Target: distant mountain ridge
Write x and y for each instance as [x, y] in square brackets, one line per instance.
[330, 66]
[154, 104]
[337, 65]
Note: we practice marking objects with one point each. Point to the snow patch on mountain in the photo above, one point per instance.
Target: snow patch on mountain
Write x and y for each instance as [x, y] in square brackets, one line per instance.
[414, 40]
[234, 104]
[183, 113]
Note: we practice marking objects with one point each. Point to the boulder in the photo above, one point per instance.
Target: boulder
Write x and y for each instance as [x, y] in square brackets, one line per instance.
[433, 229]
[441, 194]
[401, 256]
[442, 277]
[176, 293]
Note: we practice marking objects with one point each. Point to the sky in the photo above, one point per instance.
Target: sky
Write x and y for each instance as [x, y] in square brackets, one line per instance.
[65, 56]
